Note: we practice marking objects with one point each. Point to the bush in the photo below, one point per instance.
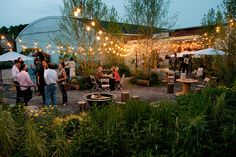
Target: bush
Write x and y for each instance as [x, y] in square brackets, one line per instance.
[154, 79]
[6, 65]
[199, 124]
[123, 69]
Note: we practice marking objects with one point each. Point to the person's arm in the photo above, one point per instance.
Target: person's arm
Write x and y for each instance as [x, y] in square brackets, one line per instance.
[14, 73]
[28, 80]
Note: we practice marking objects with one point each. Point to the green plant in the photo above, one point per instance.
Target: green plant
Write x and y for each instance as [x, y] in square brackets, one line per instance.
[60, 146]
[154, 79]
[34, 141]
[8, 133]
[6, 65]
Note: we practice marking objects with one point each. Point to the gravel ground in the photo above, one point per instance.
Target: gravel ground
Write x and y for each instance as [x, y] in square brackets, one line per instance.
[150, 94]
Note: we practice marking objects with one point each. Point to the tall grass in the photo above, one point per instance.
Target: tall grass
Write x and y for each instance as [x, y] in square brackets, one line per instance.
[34, 141]
[8, 133]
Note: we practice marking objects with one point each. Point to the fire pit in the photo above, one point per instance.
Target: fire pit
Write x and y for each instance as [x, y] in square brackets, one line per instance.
[99, 98]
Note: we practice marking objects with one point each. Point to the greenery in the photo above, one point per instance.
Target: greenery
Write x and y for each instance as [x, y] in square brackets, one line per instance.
[197, 124]
[152, 77]
[6, 65]
[123, 69]
[220, 27]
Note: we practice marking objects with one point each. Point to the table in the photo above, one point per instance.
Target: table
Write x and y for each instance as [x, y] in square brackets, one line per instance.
[186, 85]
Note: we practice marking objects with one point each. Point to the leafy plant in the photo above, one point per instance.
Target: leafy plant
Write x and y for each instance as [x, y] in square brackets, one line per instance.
[34, 141]
[8, 133]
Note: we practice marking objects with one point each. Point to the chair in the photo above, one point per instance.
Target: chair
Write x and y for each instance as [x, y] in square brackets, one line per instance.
[118, 85]
[105, 84]
[95, 84]
[199, 74]
[205, 83]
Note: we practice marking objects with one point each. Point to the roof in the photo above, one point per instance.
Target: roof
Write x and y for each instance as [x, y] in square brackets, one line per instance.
[124, 27]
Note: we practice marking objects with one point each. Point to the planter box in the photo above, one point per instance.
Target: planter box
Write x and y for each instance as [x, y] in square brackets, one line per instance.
[143, 82]
[74, 87]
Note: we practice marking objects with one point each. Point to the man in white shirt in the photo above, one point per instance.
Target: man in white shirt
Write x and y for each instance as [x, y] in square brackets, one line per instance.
[14, 72]
[51, 78]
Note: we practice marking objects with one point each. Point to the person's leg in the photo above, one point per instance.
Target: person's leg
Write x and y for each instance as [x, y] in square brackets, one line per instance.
[43, 94]
[18, 92]
[64, 94]
[53, 94]
[28, 95]
[47, 95]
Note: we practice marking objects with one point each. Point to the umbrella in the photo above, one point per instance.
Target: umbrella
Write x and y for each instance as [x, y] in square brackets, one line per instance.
[11, 56]
[183, 53]
[209, 51]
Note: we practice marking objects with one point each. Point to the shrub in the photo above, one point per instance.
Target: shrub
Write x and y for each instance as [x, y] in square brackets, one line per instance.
[8, 133]
[6, 65]
[123, 69]
[34, 142]
[154, 79]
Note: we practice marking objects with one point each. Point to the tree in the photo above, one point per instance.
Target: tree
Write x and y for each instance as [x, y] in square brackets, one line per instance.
[220, 30]
[149, 15]
[3, 30]
[80, 32]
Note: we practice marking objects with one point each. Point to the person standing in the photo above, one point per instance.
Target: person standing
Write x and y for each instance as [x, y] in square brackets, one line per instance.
[14, 72]
[181, 64]
[25, 83]
[62, 77]
[51, 79]
[40, 78]
[186, 63]
[175, 61]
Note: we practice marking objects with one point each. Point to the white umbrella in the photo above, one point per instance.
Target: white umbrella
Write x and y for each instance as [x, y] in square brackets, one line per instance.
[183, 53]
[11, 56]
[209, 51]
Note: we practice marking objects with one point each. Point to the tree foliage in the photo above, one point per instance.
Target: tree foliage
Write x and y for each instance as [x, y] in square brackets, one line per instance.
[220, 28]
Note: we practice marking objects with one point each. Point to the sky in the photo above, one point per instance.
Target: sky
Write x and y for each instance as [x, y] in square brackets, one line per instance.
[15, 12]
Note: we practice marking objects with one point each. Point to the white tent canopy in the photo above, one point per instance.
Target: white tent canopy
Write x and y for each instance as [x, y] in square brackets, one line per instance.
[184, 53]
[209, 51]
[11, 56]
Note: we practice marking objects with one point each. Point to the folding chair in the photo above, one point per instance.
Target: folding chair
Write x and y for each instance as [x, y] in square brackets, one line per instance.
[105, 84]
[95, 84]
[205, 83]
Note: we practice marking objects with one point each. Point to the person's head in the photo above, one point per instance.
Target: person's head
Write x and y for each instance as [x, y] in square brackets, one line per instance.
[113, 68]
[99, 69]
[17, 63]
[23, 67]
[45, 64]
[20, 60]
[50, 65]
[61, 65]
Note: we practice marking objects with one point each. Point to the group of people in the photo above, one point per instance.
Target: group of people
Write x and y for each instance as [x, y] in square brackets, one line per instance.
[185, 63]
[46, 79]
[114, 78]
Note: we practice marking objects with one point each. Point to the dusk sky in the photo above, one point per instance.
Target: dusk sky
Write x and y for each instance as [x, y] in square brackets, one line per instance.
[15, 12]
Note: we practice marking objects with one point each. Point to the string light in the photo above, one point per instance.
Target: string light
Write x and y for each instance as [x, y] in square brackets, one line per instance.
[88, 28]
[93, 23]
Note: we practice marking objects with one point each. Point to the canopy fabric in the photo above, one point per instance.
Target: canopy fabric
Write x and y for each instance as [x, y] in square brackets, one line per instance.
[183, 53]
[209, 51]
[11, 56]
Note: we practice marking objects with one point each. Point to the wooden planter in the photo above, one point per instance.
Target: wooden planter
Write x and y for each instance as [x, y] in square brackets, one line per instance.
[74, 87]
[143, 82]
